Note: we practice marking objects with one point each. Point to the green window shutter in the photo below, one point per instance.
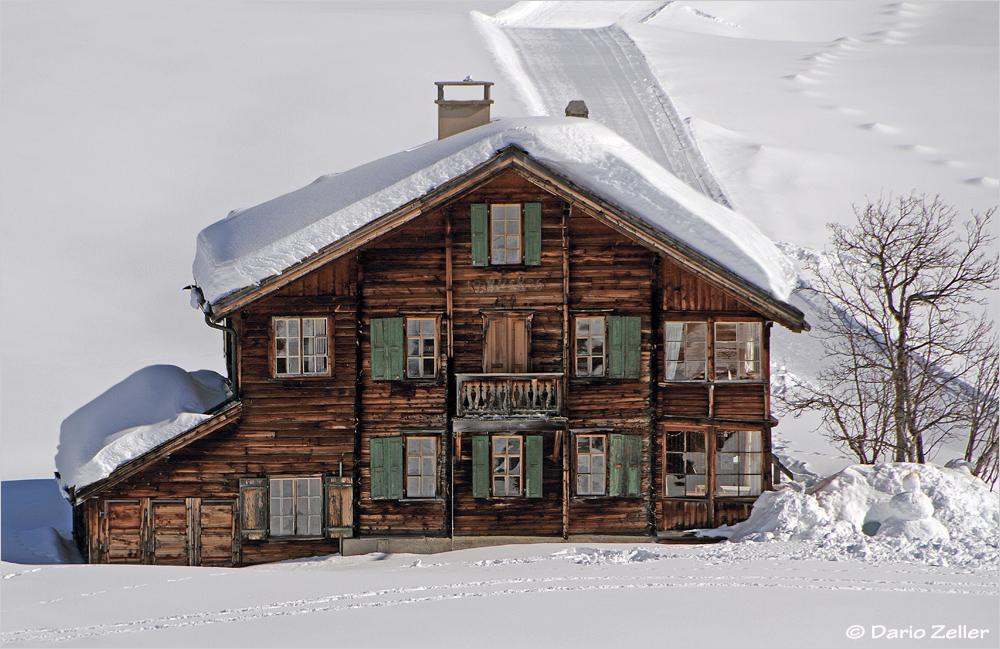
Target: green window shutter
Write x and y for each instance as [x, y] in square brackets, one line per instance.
[633, 453]
[633, 346]
[480, 234]
[616, 461]
[397, 360]
[387, 349]
[253, 508]
[338, 501]
[616, 347]
[387, 468]
[480, 466]
[380, 350]
[532, 234]
[394, 453]
[533, 462]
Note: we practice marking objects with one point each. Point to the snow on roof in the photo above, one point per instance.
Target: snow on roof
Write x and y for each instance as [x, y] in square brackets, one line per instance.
[251, 245]
[152, 406]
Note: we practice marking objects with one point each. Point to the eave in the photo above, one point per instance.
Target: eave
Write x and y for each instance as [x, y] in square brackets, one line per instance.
[229, 413]
[512, 157]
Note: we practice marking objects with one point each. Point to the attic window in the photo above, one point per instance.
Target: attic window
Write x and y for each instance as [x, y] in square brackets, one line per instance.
[501, 237]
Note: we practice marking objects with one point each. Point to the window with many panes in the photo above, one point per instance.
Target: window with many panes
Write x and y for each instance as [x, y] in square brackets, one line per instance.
[507, 454]
[421, 467]
[591, 465]
[296, 506]
[738, 462]
[421, 347]
[684, 463]
[686, 351]
[738, 351]
[590, 346]
[505, 234]
[301, 346]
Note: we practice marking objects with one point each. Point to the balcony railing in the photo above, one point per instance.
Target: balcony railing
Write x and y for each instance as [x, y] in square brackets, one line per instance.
[509, 394]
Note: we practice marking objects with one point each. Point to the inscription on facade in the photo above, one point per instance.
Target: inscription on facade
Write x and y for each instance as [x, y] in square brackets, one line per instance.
[505, 285]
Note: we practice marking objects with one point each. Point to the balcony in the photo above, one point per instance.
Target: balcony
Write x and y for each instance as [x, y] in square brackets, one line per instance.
[507, 395]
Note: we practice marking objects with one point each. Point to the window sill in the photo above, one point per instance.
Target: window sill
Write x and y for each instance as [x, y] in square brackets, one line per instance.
[299, 377]
[283, 539]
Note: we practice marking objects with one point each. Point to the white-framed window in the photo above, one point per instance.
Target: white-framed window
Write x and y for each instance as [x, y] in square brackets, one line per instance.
[505, 234]
[301, 346]
[508, 470]
[591, 465]
[421, 467]
[686, 351]
[590, 347]
[738, 351]
[296, 506]
[684, 463]
[738, 462]
[421, 348]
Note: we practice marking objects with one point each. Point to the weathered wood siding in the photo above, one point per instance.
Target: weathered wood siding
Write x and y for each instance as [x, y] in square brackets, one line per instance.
[290, 426]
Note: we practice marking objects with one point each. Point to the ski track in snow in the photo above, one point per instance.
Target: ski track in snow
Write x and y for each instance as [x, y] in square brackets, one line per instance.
[604, 67]
[482, 589]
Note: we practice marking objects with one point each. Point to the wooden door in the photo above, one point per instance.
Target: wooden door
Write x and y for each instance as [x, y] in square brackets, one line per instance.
[217, 530]
[170, 533]
[124, 531]
[507, 348]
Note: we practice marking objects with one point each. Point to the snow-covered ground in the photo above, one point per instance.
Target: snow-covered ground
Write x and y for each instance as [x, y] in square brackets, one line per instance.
[814, 589]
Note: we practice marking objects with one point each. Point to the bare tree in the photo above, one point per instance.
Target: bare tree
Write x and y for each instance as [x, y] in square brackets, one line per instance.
[902, 287]
[982, 410]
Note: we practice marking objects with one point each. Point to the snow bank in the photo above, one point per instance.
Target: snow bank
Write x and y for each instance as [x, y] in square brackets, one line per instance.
[151, 406]
[251, 245]
[36, 524]
[860, 513]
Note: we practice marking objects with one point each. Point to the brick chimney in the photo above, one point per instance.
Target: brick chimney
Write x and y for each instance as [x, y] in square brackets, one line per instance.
[458, 115]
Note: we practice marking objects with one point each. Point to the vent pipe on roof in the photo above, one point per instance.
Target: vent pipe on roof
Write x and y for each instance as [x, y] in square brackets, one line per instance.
[577, 108]
[458, 115]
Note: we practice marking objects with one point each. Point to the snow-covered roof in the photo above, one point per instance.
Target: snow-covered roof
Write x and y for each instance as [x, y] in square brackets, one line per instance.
[260, 242]
[151, 406]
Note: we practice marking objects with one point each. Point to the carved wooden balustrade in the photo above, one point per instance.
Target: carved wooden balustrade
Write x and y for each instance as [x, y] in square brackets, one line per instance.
[509, 394]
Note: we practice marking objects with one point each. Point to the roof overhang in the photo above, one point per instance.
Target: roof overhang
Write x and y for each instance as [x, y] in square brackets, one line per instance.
[229, 413]
[516, 159]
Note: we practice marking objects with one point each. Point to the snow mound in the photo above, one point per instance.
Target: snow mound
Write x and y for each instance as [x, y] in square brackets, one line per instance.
[601, 557]
[152, 406]
[254, 244]
[892, 511]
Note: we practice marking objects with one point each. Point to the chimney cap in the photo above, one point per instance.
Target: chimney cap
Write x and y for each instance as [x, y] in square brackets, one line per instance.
[577, 108]
[467, 81]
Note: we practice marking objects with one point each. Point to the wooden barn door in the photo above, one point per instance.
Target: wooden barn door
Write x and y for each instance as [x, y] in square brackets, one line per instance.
[217, 519]
[506, 349]
[170, 533]
[122, 532]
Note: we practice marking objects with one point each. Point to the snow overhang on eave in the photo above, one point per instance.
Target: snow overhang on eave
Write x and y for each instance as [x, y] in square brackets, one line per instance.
[513, 157]
[226, 414]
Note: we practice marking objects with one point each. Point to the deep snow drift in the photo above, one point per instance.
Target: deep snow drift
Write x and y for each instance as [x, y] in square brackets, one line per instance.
[259, 242]
[884, 512]
[153, 405]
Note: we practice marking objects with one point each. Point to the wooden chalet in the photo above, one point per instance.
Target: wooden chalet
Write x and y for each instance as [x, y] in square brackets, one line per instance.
[510, 356]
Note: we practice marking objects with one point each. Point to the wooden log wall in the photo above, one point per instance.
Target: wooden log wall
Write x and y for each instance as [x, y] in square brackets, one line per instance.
[609, 274]
[515, 515]
[404, 275]
[295, 427]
